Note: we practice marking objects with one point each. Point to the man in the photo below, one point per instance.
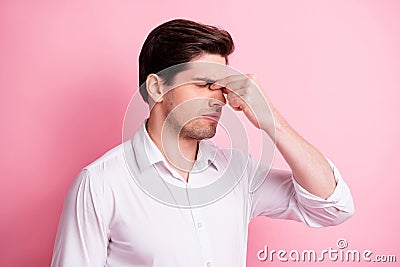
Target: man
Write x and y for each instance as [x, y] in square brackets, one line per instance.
[111, 216]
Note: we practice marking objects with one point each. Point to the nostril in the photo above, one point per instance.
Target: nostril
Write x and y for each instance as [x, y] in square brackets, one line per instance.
[217, 97]
[217, 102]
[220, 95]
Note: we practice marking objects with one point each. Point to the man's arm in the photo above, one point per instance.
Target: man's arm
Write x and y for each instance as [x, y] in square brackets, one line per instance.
[314, 192]
[82, 235]
[310, 169]
[280, 196]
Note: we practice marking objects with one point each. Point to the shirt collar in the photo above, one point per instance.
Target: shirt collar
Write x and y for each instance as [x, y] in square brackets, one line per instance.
[148, 154]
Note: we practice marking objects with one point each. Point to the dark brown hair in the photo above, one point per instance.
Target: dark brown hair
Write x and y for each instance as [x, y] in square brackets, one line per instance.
[179, 41]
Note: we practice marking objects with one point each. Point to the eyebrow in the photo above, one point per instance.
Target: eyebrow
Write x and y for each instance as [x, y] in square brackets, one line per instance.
[208, 80]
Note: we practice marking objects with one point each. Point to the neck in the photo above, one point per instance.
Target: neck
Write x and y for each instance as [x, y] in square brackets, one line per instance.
[179, 151]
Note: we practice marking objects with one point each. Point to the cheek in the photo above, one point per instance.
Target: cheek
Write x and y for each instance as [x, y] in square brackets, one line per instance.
[186, 95]
[186, 101]
[176, 103]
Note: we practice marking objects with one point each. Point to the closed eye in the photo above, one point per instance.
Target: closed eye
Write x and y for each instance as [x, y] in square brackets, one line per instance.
[203, 83]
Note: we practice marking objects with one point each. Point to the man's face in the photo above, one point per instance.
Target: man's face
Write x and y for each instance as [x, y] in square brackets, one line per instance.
[193, 109]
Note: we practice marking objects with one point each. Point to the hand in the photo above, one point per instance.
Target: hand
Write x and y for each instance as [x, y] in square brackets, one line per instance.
[244, 94]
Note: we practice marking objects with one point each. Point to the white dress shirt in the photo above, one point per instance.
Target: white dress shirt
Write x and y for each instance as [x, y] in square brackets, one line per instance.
[109, 219]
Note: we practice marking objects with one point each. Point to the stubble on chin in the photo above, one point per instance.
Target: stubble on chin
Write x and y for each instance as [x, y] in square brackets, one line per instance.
[194, 128]
[197, 130]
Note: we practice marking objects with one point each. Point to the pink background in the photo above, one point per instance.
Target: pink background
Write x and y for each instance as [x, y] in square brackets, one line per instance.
[69, 68]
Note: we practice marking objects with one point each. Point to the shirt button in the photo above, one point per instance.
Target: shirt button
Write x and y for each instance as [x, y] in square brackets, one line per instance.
[208, 264]
[199, 224]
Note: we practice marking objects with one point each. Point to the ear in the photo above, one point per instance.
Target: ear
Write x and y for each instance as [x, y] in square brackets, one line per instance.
[153, 87]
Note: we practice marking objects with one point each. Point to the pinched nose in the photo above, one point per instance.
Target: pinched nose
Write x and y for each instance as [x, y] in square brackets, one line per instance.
[216, 98]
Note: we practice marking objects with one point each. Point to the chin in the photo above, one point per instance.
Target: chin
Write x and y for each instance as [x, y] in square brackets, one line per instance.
[208, 136]
[199, 132]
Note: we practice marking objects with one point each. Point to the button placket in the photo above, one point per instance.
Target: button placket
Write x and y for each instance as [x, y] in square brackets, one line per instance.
[203, 235]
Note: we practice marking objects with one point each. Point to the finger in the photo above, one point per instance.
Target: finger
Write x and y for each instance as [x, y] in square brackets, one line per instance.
[238, 87]
[236, 101]
[224, 81]
[239, 93]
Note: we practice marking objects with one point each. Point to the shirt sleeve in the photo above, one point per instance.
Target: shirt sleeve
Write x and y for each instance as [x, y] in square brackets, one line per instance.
[280, 196]
[81, 236]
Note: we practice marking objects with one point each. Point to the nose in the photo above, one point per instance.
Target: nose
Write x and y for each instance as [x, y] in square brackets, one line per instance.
[216, 98]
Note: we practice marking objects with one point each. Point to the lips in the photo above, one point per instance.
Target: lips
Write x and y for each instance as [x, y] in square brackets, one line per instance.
[212, 116]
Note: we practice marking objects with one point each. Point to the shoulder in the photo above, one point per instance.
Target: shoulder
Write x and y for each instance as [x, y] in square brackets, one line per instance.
[105, 174]
[112, 162]
[110, 156]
